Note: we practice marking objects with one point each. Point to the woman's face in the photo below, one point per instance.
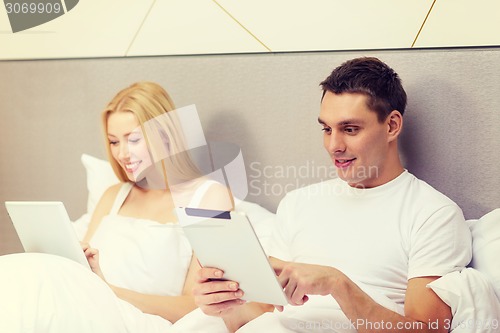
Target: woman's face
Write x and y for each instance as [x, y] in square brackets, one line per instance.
[127, 144]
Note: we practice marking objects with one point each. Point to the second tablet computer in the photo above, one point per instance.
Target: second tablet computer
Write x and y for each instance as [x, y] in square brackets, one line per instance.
[226, 240]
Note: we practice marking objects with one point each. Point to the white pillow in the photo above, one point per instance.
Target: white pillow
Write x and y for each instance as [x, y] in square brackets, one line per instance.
[486, 247]
[100, 177]
[473, 303]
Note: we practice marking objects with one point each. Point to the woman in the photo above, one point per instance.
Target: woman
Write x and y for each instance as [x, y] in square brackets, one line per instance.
[143, 254]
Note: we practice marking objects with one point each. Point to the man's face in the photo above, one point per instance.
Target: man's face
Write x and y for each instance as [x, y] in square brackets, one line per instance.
[356, 141]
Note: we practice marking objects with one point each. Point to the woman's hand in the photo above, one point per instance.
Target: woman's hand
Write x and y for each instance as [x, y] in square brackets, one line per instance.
[93, 259]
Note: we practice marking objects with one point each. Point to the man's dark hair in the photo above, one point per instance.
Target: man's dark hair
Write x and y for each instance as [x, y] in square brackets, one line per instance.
[371, 77]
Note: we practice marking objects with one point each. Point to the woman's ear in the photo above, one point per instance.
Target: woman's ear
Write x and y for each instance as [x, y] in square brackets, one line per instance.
[394, 125]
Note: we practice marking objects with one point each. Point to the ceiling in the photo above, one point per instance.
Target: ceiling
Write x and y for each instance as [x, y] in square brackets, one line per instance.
[125, 28]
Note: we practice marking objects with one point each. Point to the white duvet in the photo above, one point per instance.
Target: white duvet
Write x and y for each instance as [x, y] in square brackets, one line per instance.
[43, 293]
[35, 299]
[319, 314]
[473, 302]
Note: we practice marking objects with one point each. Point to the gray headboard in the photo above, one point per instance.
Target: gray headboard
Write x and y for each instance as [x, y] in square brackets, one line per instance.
[266, 103]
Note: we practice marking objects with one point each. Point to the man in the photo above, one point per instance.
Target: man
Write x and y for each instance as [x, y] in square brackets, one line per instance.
[376, 230]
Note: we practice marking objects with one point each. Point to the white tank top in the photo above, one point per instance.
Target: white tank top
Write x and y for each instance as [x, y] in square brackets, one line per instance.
[144, 255]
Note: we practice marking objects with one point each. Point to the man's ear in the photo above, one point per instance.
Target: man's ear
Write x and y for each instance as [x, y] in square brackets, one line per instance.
[394, 125]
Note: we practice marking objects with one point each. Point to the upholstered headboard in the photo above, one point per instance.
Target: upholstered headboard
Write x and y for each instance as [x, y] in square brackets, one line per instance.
[267, 104]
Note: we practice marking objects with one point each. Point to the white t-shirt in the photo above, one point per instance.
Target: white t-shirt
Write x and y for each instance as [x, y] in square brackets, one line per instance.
[380, 236]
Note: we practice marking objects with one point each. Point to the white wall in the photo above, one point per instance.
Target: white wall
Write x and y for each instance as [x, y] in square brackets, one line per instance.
[127, 28]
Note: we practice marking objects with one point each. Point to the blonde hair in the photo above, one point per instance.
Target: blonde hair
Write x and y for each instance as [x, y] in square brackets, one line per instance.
[153, 107]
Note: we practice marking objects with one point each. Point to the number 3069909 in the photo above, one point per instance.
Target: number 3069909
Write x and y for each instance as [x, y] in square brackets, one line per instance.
[33, 7]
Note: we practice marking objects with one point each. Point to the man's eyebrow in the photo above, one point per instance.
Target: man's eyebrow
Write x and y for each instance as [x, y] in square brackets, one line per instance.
[321, 121]
[350, 122]
[343, 122]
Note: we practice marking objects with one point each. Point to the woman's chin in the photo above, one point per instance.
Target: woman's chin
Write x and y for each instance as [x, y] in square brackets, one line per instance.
[136, 177]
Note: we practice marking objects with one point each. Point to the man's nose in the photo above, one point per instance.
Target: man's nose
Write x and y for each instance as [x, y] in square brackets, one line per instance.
[336, 143]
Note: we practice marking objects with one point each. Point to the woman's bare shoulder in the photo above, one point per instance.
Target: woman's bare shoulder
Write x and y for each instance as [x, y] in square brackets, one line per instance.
[111, 192]
[102, 208]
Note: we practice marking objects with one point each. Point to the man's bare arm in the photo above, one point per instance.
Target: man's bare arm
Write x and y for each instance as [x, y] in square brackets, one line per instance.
[424, 310]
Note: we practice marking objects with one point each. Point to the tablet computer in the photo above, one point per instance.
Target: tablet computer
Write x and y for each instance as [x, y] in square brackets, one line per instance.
[226, 240]
[45, 227]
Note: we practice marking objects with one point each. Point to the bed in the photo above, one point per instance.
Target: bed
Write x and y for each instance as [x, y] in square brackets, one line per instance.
[472, 293]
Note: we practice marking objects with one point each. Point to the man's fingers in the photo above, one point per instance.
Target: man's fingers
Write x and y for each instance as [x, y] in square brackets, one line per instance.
[214, 287]
[219, 297]
[297, 297]
[213, 295]
[219, 309]
[207, 273]
[279, 308]
[277, 264]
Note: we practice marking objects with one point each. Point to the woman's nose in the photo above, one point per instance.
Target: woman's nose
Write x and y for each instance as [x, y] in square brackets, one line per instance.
[123, 153]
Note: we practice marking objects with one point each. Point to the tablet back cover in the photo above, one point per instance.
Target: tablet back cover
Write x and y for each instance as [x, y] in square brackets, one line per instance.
[231, 244]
